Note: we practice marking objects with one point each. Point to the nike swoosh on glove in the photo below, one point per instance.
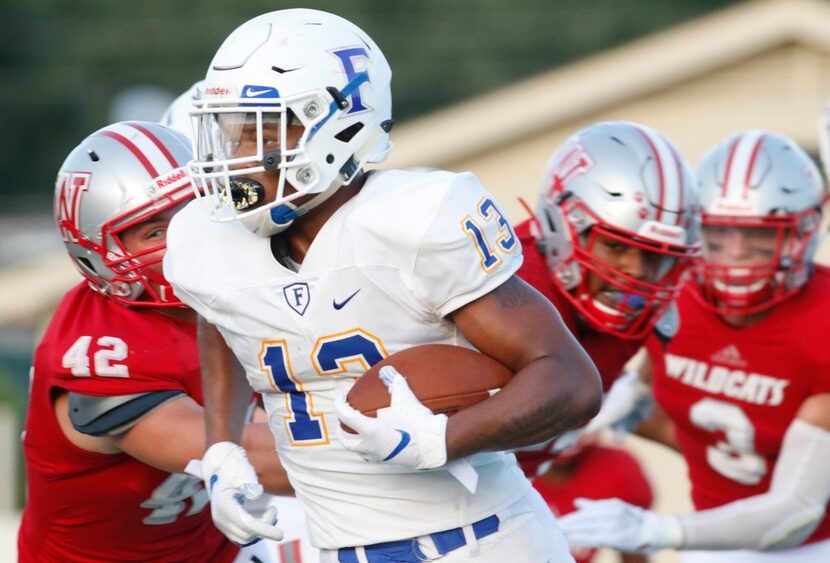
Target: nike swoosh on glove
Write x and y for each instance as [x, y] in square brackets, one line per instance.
[616, 524]
[231, 481]
[405, 434]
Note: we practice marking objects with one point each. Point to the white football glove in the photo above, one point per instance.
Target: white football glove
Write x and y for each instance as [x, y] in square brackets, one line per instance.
[626, 404]
[405, 434]
[231, 481]
[619, 525]
[566, 440]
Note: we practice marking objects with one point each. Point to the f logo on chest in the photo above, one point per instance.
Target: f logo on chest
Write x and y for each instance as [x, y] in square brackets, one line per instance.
[298, 296]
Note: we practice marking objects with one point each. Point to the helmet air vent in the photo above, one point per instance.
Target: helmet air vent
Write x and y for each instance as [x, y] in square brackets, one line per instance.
[86, 264]
[349, 132]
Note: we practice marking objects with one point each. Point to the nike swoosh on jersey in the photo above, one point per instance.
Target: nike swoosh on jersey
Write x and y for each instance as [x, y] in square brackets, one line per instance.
[342, 304]
[405, 439]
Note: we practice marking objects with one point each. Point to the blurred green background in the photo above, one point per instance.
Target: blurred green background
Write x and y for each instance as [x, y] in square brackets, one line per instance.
[63, 63]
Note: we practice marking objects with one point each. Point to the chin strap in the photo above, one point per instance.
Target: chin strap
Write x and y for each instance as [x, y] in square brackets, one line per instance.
[282, 216]
[315, 201]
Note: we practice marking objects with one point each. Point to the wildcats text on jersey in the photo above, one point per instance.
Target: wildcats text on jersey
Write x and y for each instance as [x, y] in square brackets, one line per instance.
[736, 384]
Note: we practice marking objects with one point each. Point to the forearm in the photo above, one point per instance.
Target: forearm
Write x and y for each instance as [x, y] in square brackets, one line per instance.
[784, 516]
[532, 408]
[658, 427]
[556, 385]
[168, 437]
[259, 445]
[225, 391]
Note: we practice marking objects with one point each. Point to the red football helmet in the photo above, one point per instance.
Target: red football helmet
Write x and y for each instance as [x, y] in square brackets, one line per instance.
[761, 196]
[117, 178]
[624, 187]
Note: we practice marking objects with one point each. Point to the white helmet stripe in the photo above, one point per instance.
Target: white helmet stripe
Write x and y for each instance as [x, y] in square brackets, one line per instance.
[740, 164]
[158, 144]
[670, 174]
[146, 148]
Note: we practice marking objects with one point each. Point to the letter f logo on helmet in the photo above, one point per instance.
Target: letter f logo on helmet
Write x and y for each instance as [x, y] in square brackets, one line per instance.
[347, 59]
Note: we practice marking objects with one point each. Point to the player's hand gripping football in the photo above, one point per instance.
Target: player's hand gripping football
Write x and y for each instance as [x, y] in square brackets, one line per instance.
[231, 481]
[619, 525]
[406, 433]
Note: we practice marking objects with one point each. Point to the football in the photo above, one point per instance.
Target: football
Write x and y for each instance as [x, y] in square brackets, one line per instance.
[445, 378]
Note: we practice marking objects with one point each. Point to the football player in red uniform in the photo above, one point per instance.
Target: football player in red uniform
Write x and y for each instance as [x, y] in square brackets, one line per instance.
[115, 409]
[614, 230]
[746, 381]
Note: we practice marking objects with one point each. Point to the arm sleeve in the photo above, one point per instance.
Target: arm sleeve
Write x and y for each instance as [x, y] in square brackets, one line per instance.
[784, 516]
[106, 416]
[468, 249]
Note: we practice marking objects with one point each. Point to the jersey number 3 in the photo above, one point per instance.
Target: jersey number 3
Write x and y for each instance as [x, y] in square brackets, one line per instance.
[734, 458]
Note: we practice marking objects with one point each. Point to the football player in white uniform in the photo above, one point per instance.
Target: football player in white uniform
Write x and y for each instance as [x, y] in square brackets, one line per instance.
[295, 546]
[311, 270]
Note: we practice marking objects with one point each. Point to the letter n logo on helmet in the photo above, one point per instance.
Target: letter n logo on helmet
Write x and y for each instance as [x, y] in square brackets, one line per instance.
[353, 58]
[70, 187]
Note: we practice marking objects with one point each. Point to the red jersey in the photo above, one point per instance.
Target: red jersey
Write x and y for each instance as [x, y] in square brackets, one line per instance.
[591, 478]
[732, 392]
[85, 506]
[608, 352]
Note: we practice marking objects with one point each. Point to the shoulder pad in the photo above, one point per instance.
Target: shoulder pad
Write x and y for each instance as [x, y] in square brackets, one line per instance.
[106, 416]
[668, 324]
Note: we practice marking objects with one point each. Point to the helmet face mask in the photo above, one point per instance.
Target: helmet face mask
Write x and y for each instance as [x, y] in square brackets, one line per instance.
[618, 225]
[138, 264]
[119, 178]
[610, 294]
[310, 94]
[761, 197]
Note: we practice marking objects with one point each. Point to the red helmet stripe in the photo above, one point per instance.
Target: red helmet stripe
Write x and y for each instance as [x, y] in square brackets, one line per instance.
[133, 149]
[751, 166]
[164, 150]
[729, 165]
[660, 175]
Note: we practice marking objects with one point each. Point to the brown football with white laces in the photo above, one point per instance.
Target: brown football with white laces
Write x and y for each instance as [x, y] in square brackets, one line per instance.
[445, 378]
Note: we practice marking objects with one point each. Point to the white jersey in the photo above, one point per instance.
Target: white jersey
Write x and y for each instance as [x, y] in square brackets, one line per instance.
[381, 276]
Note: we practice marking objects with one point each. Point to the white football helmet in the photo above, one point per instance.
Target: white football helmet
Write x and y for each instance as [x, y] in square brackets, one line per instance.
[116, 178]
[761, 181]
[626, 182]
[298, 66]
[177, 115]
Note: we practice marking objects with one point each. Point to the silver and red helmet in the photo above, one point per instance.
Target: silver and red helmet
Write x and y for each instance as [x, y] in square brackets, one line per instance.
[119, 177]
[764, 184]
[629, 183]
